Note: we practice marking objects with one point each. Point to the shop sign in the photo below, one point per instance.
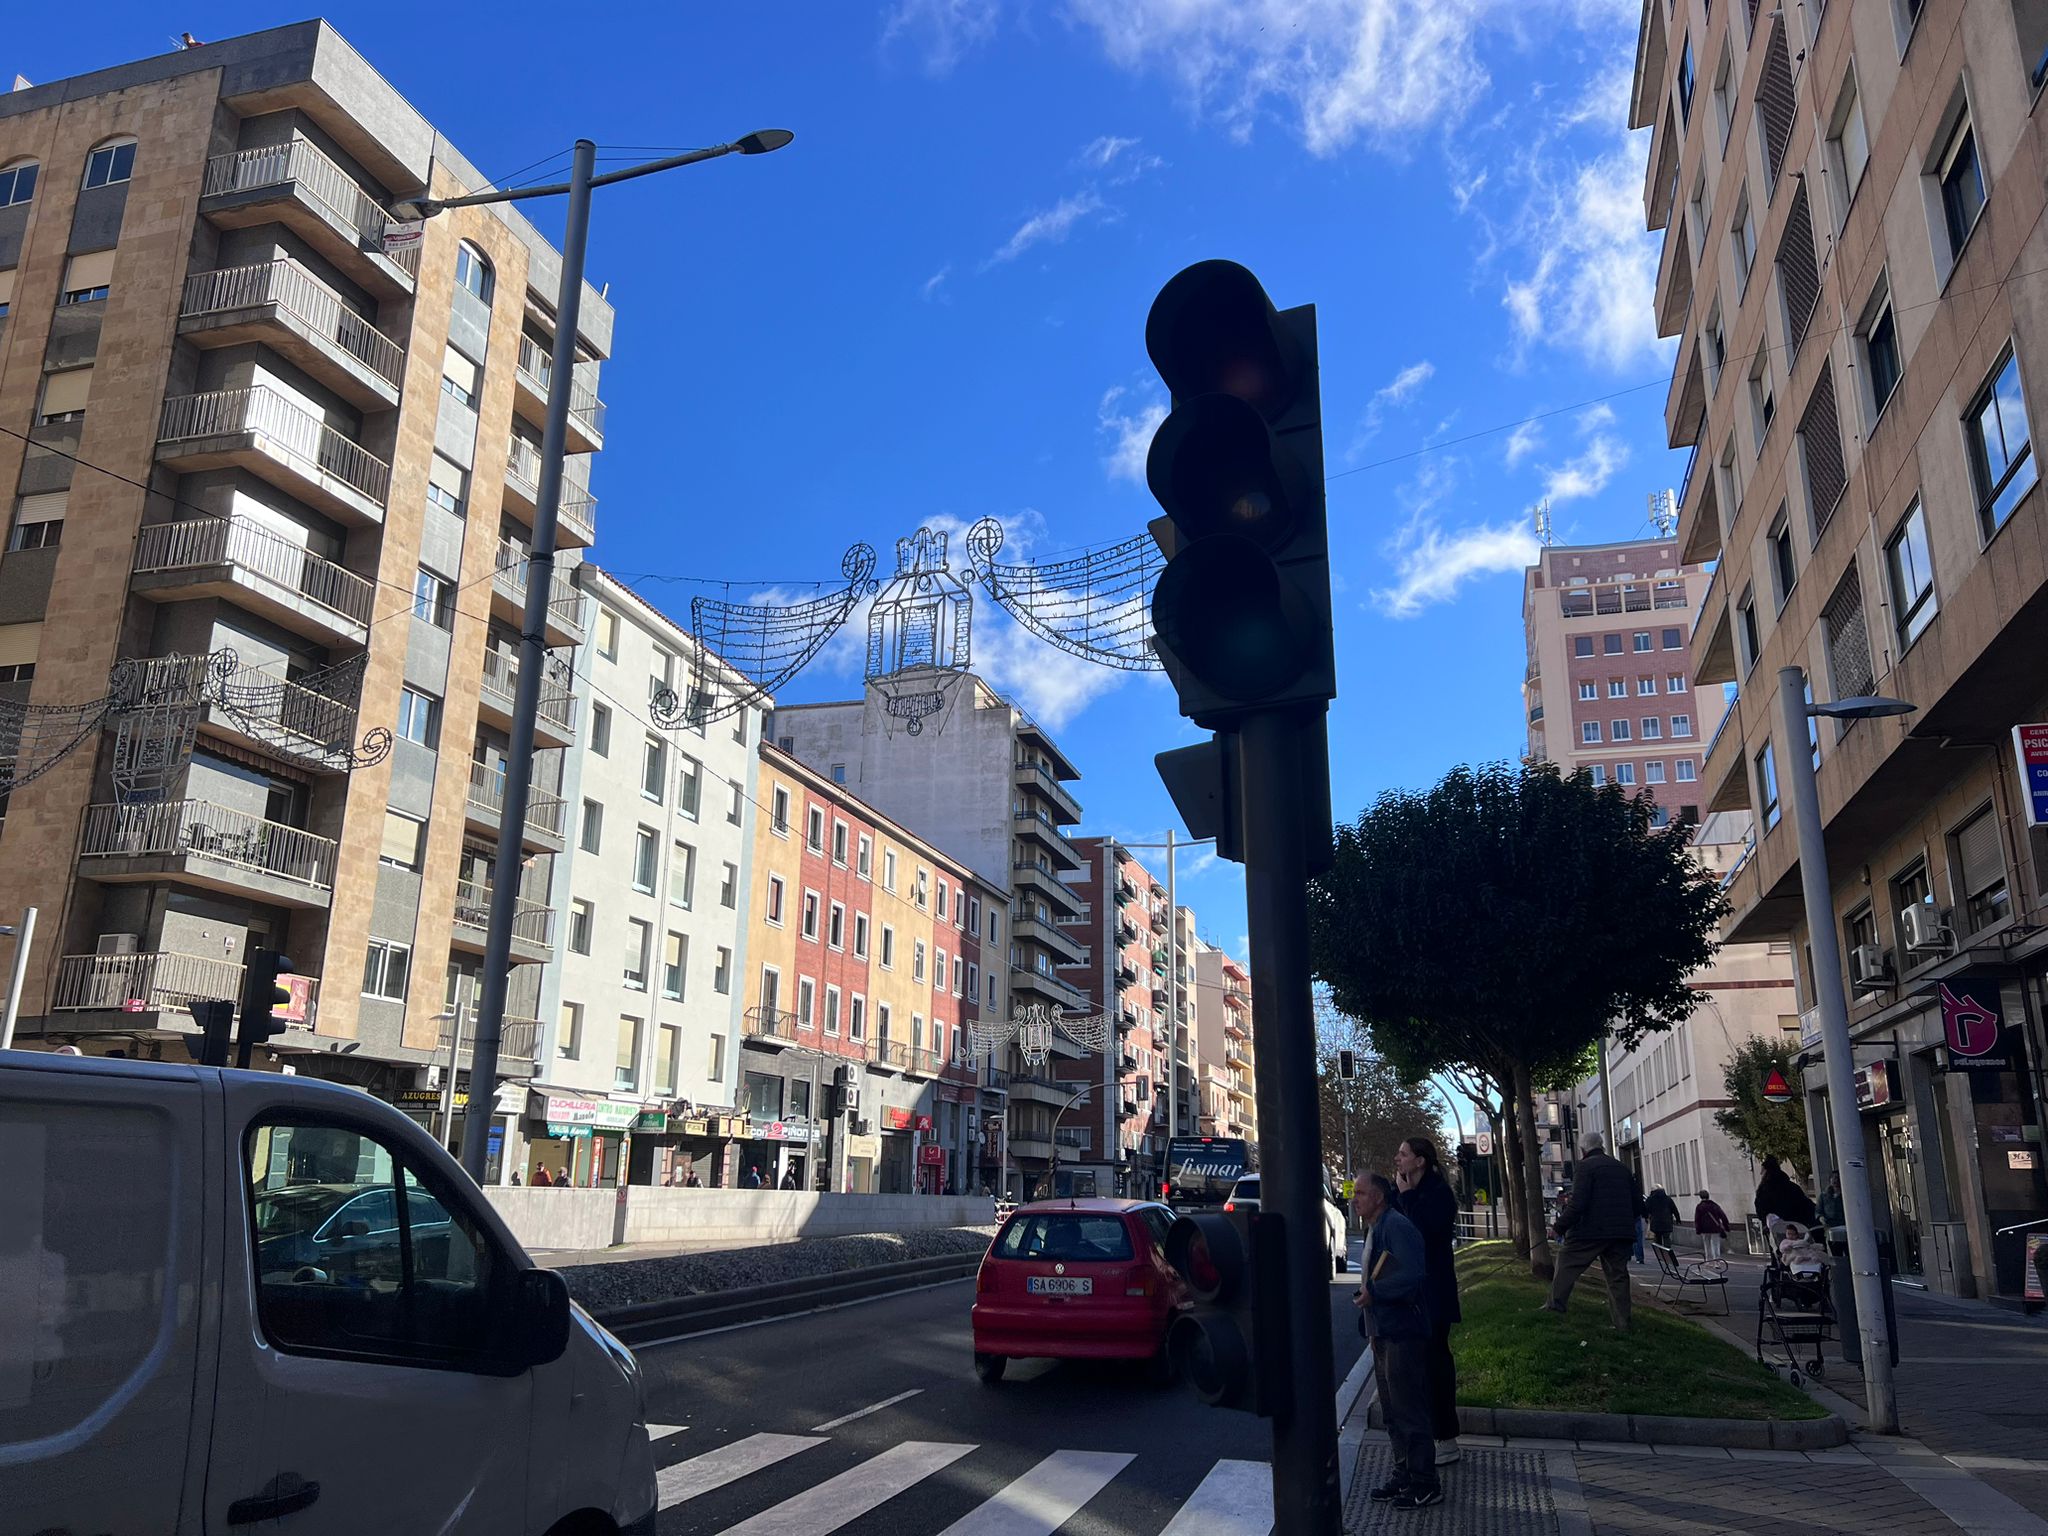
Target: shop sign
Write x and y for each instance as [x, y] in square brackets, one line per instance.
[924, 1122]
[599, 1113]
[896, 1119]
[1874, 1089]
[932, 1155]
[431, 1096]
[697, 1125]
[783, 1130]
[1972, 1024]
[568, 1132]
[2020, 1159]
[2030, 743]
[651, 1120]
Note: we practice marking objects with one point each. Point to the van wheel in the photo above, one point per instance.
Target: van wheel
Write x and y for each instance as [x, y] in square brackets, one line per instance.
[990, 1368]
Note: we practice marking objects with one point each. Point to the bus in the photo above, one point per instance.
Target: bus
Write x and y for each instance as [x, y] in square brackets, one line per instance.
[1202, 1170]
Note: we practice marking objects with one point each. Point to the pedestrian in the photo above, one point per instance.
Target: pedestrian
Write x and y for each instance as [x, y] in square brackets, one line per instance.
[691, 1181]
[1831, 1216]
[515, 1178]
[1425, 1197]
[1598, 1225]
[1711, 1223]
[1393, 1302]
[753, 1178]
[540, 1176]
[1661, 1211]
[789, 1177]
[1777, 1195]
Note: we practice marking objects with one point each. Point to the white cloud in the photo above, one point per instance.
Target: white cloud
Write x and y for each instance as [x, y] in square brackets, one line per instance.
[1594, 417]
[1431, 565]
[942, 31]
[1462, 192]
[1129, 428]
[1098, 155]
[1053, 224]
[1396, 391]
[1523, 441]
[930, 291]
[1588, 473]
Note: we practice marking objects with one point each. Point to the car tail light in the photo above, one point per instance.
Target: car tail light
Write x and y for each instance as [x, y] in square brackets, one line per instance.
[983, 1278]
[1229, 1206]
[1138, 1290]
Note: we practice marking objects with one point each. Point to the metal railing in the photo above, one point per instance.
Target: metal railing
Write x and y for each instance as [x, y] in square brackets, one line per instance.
[1748, 853]
[921, 1062]
[156, 981]
[531, 922]
[519, 1038]
[337, 192]
[770, 1024]
[522, 464]
[201, 829]
[1706, 602]
[537, 364]
[579, 510]
[211, 541]
[290, 718]
[1042, 826]
[1714, 740]
[1047, 783]
[1071, 996]
[565, 603]
[546, 812]
[501, 679]
[292, 433]
[890, 1053]
[299, 293]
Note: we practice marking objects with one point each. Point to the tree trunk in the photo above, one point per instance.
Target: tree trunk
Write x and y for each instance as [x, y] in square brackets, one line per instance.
[1507, 1163]
[1540, 1262]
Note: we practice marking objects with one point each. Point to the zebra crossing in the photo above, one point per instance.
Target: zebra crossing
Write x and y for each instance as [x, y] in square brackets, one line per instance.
[1234, 1498]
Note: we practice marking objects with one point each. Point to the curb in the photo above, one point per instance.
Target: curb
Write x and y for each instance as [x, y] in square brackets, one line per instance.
[1650, 1429]
[659, 1321]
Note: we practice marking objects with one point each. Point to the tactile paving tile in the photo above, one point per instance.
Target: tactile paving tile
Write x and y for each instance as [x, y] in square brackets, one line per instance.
[1486, 1493]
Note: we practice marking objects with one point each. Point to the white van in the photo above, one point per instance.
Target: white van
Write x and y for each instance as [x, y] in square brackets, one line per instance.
[234, 1301]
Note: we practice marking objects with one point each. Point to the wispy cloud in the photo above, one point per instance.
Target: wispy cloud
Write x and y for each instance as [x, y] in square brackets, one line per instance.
[942, 32]
[1430, 565]
[1396, 391]
[1588, 472]
[1101, 152]
[1128, 423]
[1523, 441]
[931, 291]
[1050, 226]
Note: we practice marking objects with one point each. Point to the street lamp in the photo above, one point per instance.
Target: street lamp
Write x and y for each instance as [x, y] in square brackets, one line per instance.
[444, 1125]
[24, 936]
[497, 964]
[1831, 998]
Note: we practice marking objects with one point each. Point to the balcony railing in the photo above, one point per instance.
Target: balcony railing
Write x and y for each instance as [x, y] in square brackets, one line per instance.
[519, 1038]
[1046, 782]
[531, 922]
[326, 183]
[920, 1062]
[546, 812]
[1727, 714]
[770, 1024]
[200, 829]
[160, 981]
[501, 680]
[538, 365]
[291, 431]
[565, 603]
[890, 1053]
[211, 541]
[522, 465]
[579, 510]
[1042, 826]
[303, 296]
[285, 716]
[1706, 602]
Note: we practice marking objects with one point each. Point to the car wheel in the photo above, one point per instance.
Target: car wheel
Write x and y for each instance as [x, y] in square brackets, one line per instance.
[990, 1368]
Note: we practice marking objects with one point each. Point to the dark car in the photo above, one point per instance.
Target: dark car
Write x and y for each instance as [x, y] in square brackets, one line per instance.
[345, 1231]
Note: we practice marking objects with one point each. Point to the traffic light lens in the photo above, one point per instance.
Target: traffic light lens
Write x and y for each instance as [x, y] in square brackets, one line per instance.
[1215, 468]
[1219, 608]
[1213, 330]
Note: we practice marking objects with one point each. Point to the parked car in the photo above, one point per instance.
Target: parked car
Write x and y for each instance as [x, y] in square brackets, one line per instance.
[255, 1290]
[1077, 1280]
[1244, 1196]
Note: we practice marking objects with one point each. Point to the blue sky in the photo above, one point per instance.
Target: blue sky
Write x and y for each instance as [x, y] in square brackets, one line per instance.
[931, 307]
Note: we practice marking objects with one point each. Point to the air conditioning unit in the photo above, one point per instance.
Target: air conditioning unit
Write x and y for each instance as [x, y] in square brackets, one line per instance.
[118, 944]
[1869, 968]
[1924, 930]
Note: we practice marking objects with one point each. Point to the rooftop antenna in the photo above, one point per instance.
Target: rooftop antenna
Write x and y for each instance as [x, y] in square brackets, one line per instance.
[1664, 512]
[1543, 522]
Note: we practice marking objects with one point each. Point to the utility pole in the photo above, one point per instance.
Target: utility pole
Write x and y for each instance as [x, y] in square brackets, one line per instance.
[1606, 1091]
[446, 1121]
[540, 571]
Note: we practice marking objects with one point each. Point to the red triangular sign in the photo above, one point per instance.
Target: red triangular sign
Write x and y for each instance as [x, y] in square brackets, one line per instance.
[1776, 1089]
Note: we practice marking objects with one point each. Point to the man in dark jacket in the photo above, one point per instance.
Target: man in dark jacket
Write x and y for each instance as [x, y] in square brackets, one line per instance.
[1425, 1197]
[1661, 1211]
[1599, 1223]
[1393, 1298]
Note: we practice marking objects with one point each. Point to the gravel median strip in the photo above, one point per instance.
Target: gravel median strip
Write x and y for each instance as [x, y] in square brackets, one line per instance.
[632, 1282]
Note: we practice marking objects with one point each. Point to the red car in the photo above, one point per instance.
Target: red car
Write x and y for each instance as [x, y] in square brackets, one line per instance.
[1077, 1280]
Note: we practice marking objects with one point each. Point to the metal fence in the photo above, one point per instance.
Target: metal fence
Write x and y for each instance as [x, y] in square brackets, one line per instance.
[154, 981]
[290, 432]
[292, 288]
[210, 541]
[201, 829]
[339, 195]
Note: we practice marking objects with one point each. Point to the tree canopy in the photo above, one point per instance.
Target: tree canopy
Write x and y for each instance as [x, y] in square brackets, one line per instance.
[1385, 1106]
[1754, 1123]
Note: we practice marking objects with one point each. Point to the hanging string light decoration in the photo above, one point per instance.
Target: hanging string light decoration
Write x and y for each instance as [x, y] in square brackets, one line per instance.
[311, 715]
[1032, 1027]
[34, 738]
[920, 631]
[744, 652]
[1095, 604]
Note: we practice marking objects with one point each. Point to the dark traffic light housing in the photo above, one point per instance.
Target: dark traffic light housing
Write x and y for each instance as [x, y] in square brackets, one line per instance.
[1347, 1064]
[216, 1020]
[262, 996]
[1223, 1346]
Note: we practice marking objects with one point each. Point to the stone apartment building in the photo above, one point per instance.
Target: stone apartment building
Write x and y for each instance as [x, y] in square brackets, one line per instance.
[1851, 202]
[289, 478]
[1223, 1033]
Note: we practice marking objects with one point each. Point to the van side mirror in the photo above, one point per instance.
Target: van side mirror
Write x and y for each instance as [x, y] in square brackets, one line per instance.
[537, 1320]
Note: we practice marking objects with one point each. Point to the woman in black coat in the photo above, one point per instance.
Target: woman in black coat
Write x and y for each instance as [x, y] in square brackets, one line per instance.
[1427, 1200]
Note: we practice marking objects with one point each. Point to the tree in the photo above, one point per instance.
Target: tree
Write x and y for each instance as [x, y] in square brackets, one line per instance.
[1502, 921]
[1759, 1127]
[1385, 1107]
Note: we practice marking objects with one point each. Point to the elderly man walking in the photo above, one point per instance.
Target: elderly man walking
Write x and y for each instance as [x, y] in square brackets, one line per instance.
[1394, 1314]
[1598, 1223]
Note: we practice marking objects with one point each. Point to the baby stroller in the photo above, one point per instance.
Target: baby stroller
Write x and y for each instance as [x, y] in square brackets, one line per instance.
[1795, 1309]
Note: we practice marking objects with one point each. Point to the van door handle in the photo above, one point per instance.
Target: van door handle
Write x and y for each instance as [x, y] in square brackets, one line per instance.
[292, 1494]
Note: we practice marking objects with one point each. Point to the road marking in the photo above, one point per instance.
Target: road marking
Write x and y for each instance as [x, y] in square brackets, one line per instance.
[714, 1469]
[1235, 1499]
[840, 1500]
[663, 1431]
[861, 1413]
[1045, 1498]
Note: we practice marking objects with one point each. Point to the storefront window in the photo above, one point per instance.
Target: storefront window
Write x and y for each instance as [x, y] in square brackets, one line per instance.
[763, 1096]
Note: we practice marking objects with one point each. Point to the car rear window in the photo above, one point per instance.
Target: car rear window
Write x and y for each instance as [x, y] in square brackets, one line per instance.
[1070, 1236]
[1247, 1189]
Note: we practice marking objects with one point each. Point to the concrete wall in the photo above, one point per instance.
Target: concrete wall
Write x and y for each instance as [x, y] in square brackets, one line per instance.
[590, 1218]
[576, 1219]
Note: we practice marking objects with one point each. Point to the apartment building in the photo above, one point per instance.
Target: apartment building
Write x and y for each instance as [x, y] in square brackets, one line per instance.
[638, 1080]
[290, 477]
[1223, 1034]
[868, 951]
[1852, 211]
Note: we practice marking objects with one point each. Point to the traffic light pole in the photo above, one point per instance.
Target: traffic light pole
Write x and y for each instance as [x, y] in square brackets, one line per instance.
[1306, 1497]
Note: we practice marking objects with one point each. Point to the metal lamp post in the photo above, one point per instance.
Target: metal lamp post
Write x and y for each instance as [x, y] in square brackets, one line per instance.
[444, 1125]
[490, 1010]
[1831, 998]
[24, 935]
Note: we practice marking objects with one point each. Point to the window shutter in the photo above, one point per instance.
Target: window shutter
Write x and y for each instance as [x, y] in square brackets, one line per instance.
[1797, 271]
[446, 474]
[1848, 641]
[45, 508]
[460, 371]
[1977, 853]
[7, 286]
[1775, 101]
[20, 644]
[66, 392]
[1820, 437]
[95, 269]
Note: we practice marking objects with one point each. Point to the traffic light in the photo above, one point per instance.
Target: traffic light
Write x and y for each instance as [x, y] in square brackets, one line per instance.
[1347, 1065]
[1219, 1344]
[216, 1020]
[1241, 614]
[261, 997]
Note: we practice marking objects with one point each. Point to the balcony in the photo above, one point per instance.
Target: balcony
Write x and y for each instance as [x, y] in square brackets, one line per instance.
[198, 843]
[296, 185]
[577, 516]
[261, 431]
[508, 596]
[547, 814]
[554, 726]
[532, 924]
[1051, 988]
[1065, 948]
[1033, 1088]
[1039, 780]
[305, 728]
[522, 475]
[887, 1055]
[575, 512]
[1030, 1147]
[1126, 973]
[770, 1026]
[255, 568]
[286, 308]
[919, 1062]
[1126, 931]
[157, 982]
[532, 375]
[1031, 827]
[1061, 897]
[1724, 770]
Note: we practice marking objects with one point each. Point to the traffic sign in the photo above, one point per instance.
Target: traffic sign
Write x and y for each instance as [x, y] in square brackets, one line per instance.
[1484, 1141]
[2030, 742]
[1776, 1089]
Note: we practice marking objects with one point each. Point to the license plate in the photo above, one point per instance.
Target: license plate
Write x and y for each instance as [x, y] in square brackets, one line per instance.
[1059, 1285]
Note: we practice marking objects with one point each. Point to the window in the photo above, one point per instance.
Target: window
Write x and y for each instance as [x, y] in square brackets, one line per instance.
[959, 976]
[1878, 340]
[1685, 769]
[682, 875]
[1979, 871]
[882, 1021]
[729, 887]
[1784, 568]
[459, 378]
[763, 1096]
[866, 862]
[419, 716]
[433, 598]
[974, 914]
[1685, 82]
[888, 947]
[1742, 240]
[1598, 775]
[668, 1047]
[1911, 889]
[1911, 570]
[806, 1003]
[1646, 686]
[889, 869]
[64, 397]
[1653, 773]
[1589, 732]
[857, 1017]
[653, 769]
[1763, 402]
[1681, 725]
[1766, 786]
[945, 902]
[811, 915]
[733, 809]
[1618, 730]
[39, 521]
[775, 900]
[1582, 645]
[582, 919]
[778, 815]
[18, 183]
[715, 1065]
[446, 484]
[110, 163]
[721, 973]
[814, 829]
[626, 1064]
[1674, 682]
[404, 1278]
[569, 1031]
[1642, 640]
[1589, 690]
[973, 979]
[1746, 630]
[385, 968]
[1617, 687]
[835, 926]
[831, 1010]
[1653, 727]
[607, 634]
[689, 785]
[646, 855]
[917, 960]
[1961, 176]
[1624, 773]
[839, 773]
[1848, 145]
[1696, 216]
[839, 843]
[1725, 87]
[860, 934]
[87, 278]
[675, 960]
[639, 936]
[591, 839]
[601, 730]
[2001, 445]
[1610, 645]
[1714, 347]
[403, 838]
[472, 272]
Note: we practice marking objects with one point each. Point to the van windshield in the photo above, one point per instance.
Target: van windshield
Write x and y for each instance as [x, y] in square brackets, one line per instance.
[1074, 1237]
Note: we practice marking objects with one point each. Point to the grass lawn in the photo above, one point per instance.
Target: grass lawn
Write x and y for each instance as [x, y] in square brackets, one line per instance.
[1512, 1356]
